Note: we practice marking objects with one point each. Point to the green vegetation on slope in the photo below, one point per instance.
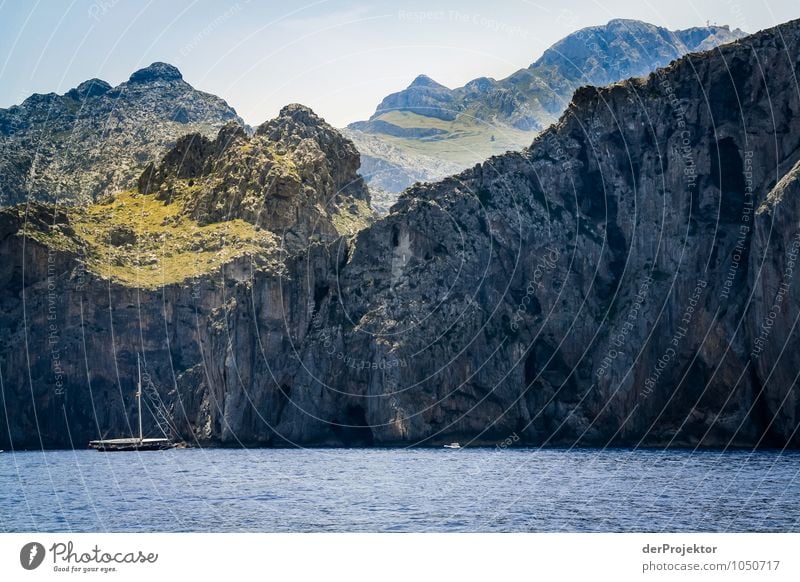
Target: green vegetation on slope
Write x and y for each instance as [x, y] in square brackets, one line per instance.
[466, 140]
[138, 240]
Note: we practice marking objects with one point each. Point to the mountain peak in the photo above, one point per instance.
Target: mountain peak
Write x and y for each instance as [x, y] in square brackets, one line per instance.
[80, 161]
[481, 84]
[634, 47]
[293, 119]
[156, 72]
[279, 177]
[296, 124]
[300, 113]
[425, 81]
[423, 96]
[90, 88]
[625, 22]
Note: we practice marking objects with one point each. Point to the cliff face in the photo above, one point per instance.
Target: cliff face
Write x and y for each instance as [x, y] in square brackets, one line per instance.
[94, 140]
[164, 271]
[629, 279]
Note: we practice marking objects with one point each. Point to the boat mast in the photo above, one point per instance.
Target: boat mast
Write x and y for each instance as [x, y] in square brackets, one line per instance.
[139, 394]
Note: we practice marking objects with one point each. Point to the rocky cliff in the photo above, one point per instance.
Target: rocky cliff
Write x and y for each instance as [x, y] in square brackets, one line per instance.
[95, 139]
[465, 125]
[206, 222]
[630, 279]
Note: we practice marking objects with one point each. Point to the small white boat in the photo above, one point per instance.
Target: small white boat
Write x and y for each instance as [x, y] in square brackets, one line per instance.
[453, 446]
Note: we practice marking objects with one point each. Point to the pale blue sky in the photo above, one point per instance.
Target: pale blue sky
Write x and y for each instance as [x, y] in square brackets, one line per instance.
[339, 57]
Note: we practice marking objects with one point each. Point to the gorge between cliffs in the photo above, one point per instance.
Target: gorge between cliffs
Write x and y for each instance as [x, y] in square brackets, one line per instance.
[630, 279]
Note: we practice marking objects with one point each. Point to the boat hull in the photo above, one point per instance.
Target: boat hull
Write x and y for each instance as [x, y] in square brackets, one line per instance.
[121, 445]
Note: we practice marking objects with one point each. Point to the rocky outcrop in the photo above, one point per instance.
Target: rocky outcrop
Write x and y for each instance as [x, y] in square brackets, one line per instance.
[296, 176]
[611, 285]
[95, 140]
[494, 116]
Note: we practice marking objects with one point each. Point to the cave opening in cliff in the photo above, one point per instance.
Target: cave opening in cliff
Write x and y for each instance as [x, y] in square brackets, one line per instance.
[320, 292]
[354, 430]
[727, 174]
[530, 368]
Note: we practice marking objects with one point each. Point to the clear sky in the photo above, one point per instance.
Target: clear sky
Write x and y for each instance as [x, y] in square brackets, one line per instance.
[340, 57]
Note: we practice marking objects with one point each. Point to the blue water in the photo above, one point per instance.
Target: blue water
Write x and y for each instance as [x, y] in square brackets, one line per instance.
[399, 490]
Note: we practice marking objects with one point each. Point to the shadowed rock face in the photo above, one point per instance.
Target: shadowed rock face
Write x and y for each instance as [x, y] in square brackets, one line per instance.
[95, 140]
[608, 286]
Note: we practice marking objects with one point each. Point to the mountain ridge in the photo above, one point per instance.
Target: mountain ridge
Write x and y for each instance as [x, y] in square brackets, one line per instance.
[95, 139]
[505, 114]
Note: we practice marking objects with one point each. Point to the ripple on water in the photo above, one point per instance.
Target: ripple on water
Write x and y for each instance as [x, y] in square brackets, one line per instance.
[400, 490]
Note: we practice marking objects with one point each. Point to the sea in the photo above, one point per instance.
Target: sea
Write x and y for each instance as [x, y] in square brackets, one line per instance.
[400, 490]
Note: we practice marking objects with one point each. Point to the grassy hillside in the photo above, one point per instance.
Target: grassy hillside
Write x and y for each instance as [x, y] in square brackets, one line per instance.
[466, 140]
[139, 240]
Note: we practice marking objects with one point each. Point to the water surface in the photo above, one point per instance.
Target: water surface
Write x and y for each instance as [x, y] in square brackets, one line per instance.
[384, 490]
